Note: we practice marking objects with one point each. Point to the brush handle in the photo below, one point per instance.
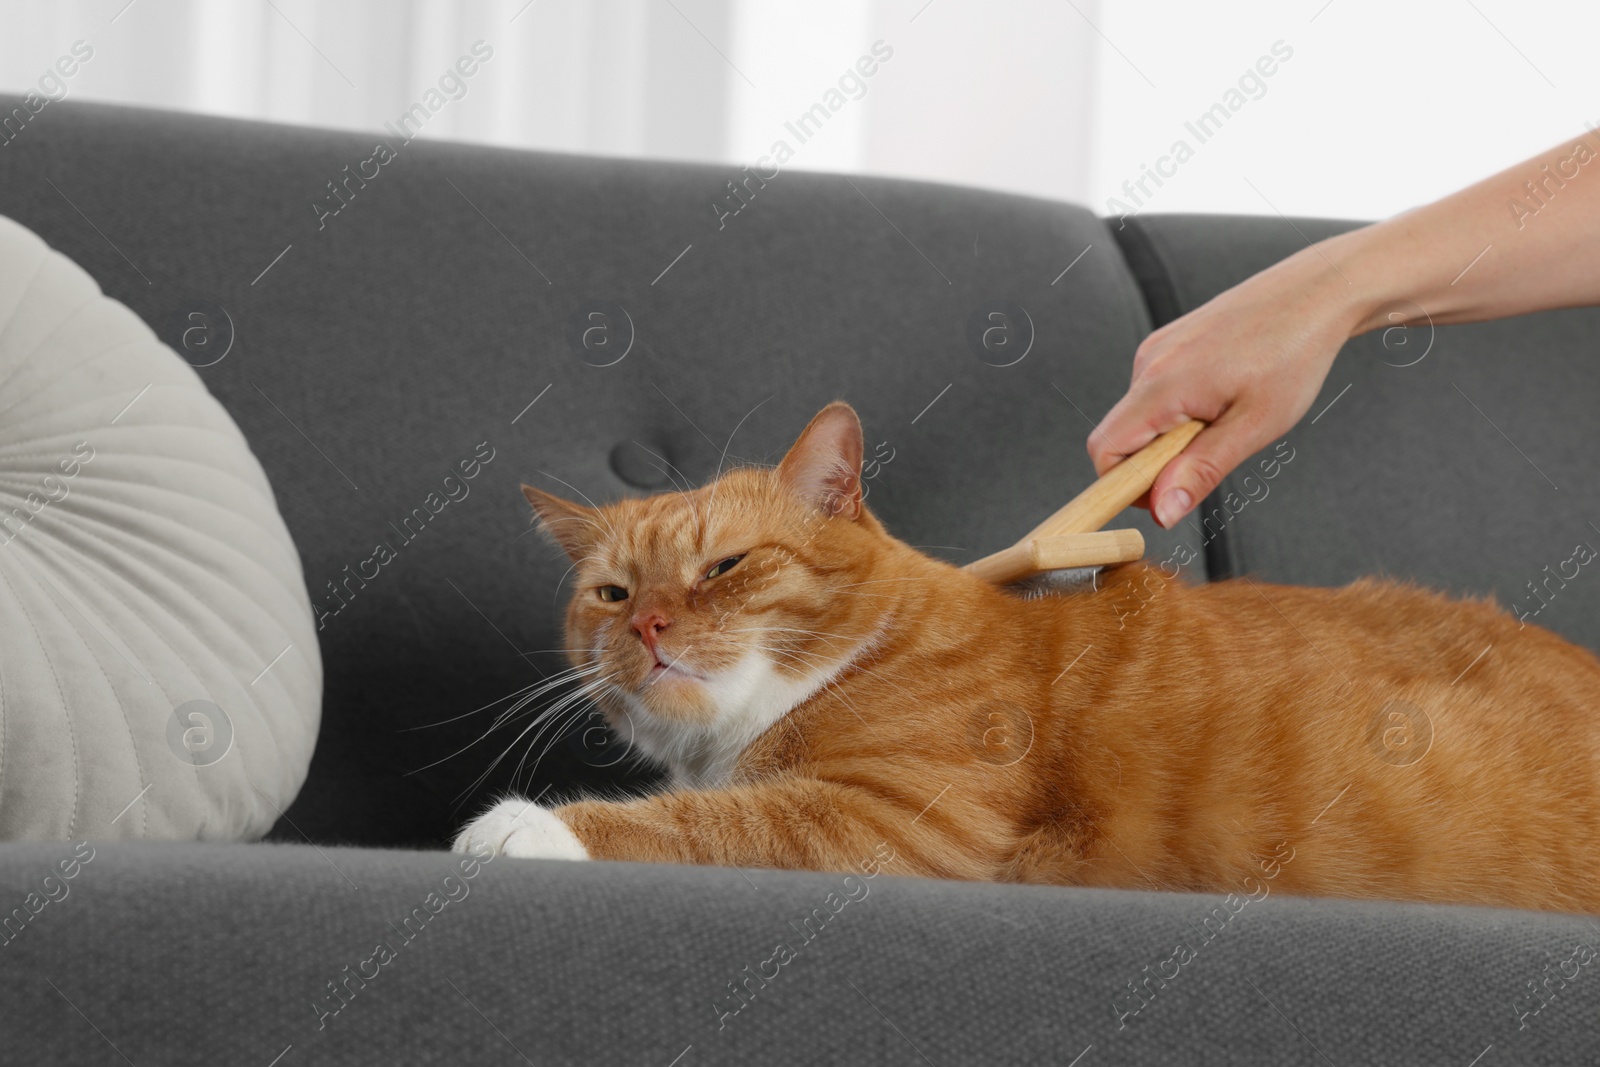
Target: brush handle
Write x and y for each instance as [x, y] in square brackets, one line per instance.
[1062, 551]
[1120, 486]
[1069, 538]
[1059, 552]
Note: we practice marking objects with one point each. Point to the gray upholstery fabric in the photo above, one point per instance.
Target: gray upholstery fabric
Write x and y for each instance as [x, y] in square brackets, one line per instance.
[216, 954]
[378, 353]
[1461, 456]
[382, 349]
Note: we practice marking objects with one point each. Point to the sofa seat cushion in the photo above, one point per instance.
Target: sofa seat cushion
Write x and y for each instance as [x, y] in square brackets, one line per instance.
[552, 962]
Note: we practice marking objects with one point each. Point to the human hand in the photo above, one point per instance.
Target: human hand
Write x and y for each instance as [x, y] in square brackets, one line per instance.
[1249, 362]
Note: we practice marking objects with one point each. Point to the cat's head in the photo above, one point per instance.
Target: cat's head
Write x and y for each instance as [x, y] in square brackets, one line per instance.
[722, 608]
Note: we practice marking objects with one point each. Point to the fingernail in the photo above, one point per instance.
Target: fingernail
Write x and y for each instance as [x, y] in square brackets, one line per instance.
[1173, 506]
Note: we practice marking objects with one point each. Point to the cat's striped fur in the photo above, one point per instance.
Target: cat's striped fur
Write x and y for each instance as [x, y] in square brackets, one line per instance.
[835, 689]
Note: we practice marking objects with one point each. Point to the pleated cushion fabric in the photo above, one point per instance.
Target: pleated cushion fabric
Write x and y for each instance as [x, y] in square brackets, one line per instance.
[159, 670]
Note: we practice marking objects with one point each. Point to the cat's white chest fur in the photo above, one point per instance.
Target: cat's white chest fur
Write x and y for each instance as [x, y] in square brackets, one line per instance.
[749, 698]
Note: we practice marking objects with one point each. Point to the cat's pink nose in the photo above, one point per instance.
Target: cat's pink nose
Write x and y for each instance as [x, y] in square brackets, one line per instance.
[648, 626]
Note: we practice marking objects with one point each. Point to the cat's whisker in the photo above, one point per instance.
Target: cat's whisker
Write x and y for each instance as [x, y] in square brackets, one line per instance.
[483, 736]
[455, 718]
[839, 691]
[669, 469]
[461, 797]
[577, 696]
[545, 712]
[562, 715]
[538, 689]
[716, 478]
[563, 579]
[685, 490]
[574, 715]
[509, 696]
[829, 685]
[595, 507]
[854, 666]
[699, 522]
[569, 714]
[512, 712]
[806, 664]
[585, 520]
[788, 651]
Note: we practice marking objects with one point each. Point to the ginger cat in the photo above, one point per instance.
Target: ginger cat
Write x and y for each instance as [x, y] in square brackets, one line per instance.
[821, 690]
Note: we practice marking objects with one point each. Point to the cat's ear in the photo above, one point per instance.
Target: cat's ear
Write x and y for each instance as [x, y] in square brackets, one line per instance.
[574, 527]
[824, 466]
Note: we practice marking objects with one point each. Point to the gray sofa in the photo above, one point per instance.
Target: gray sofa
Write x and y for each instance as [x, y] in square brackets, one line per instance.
[368, 351]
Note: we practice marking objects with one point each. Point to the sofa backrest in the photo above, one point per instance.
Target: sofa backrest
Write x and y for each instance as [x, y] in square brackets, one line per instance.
[380, 325]
[437, 307]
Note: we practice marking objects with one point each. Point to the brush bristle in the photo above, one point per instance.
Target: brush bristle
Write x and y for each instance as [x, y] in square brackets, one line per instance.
[1061, 582]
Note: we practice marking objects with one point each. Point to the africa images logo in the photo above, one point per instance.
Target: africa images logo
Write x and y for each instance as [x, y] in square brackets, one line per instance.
[199, 733]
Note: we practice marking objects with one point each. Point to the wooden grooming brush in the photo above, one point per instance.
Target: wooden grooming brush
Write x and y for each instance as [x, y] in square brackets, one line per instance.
[1073, 537]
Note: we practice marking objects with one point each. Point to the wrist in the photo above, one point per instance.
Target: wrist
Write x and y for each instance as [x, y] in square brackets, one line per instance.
[1327, 292]
[1359, 284]
[1395, 274]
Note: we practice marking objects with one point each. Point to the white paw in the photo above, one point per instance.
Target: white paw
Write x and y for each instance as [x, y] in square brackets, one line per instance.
[520, 829]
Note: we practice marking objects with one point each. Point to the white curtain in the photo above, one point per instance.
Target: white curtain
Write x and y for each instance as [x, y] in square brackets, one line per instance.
[710, 80]
[1380, 106]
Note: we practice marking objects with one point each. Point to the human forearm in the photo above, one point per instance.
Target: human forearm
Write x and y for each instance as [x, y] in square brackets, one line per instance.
[1251, 360]
[1525, 239]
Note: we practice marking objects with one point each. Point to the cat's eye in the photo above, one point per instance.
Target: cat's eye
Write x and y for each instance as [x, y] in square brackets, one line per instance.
[612, 593]
[724, 567]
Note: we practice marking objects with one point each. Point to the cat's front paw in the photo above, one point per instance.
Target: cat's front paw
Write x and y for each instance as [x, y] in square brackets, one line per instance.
[520, 829]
